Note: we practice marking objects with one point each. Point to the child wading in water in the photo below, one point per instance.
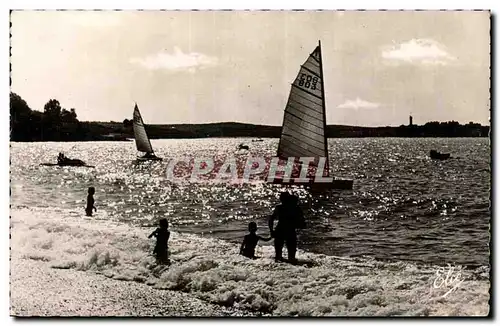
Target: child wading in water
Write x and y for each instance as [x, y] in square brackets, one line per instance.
[90, 202]
[250, 241]
[162, 235]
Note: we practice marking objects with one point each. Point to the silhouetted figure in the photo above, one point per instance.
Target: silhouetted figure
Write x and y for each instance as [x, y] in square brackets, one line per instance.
[162, 235]
[149, 155]
[90, 202]
[250, 241]
[290, 218]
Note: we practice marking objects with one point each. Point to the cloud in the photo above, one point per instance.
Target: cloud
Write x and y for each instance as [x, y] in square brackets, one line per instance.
[358, 104]
[176, 61]
[419, 51]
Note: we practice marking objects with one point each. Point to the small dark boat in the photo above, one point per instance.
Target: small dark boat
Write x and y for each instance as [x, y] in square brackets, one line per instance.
[435, 155]
[241, 146]
[257, 140]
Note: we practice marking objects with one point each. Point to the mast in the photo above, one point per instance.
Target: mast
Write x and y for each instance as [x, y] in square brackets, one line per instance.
[140, 131]
[327, 164]
[281, 131]
[149, 141]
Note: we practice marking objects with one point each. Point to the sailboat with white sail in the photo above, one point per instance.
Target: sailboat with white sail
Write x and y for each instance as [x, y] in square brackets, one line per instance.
[303, 132]
[142, 141]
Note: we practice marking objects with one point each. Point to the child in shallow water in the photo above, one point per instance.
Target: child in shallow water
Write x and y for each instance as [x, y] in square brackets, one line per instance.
[162, 235]
[250, 241]
[90, 202]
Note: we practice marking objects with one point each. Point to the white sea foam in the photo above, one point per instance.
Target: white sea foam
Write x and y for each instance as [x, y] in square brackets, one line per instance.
[210, 269]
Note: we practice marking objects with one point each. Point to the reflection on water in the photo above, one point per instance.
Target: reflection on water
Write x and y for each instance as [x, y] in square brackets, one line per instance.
[404, 206]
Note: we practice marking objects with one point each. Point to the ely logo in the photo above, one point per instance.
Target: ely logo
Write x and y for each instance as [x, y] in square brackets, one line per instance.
[450, 280]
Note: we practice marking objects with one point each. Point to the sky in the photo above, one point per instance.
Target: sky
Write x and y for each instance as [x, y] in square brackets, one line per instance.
[211, 66]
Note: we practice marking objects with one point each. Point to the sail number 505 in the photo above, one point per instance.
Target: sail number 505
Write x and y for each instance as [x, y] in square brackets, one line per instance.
[308, 81]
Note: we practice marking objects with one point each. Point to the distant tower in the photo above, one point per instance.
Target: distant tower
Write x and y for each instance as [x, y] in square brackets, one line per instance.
[411, 121]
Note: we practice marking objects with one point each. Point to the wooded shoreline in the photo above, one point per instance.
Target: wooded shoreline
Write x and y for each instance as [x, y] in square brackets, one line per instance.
[58, 124]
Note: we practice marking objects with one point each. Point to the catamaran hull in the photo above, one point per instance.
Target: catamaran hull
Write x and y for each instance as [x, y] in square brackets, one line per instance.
[335, 184]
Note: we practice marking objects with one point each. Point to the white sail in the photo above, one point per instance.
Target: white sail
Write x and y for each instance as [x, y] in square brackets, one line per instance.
[303, 131]
[141, 138]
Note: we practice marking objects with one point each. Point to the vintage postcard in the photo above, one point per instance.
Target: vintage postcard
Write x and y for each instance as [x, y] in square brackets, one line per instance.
[250, 163]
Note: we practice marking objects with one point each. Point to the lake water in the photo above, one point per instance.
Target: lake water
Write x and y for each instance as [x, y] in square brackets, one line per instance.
[404, 206]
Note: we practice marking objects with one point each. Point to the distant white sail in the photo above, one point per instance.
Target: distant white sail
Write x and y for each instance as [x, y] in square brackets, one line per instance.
[303, 132]
[141, 138]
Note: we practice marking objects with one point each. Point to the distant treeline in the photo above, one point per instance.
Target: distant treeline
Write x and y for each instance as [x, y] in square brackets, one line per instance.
[59, 124]
[53, 124]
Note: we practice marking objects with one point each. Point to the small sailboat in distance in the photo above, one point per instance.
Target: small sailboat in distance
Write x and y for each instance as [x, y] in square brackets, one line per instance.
[141, 139]
[303, 132]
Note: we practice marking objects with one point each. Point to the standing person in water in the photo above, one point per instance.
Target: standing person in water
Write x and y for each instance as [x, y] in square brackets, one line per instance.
[250, 241]
[290, 218]
[162, 235]
[90, 202]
